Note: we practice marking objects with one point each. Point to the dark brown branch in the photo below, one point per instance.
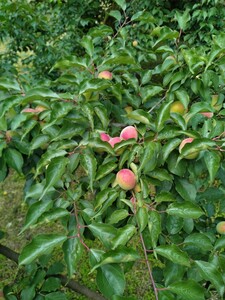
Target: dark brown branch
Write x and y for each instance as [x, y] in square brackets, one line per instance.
[71, 284]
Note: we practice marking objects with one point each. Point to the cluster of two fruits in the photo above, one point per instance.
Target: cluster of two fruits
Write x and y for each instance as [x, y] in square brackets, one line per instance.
[125, 178]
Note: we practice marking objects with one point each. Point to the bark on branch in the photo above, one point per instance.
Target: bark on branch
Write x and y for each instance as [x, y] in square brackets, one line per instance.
[71, 284]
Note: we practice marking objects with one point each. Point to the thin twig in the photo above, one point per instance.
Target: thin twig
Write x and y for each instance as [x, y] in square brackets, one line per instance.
[149, 268]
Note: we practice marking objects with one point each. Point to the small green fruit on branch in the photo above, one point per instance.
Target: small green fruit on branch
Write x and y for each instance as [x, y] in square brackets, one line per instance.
[105, 75]
[220, 227]
[126, 179]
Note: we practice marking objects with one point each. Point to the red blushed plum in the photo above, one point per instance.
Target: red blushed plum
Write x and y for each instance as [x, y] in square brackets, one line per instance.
[126, 179]
[208, 115]
[129, 132]
[105, 75]
[114, 141]
[184, 142]
[104, 137]
[220, 227]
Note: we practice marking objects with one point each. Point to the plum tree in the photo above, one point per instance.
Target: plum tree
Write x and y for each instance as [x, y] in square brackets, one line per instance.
[126, 179]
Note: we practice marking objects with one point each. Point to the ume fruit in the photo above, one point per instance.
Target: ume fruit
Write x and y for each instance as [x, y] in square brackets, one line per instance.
[177, 107]
[129, 132]
[105, 75]
[126, 179]
[220, 227]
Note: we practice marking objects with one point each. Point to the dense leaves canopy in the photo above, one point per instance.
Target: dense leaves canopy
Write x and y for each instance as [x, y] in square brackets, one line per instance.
[54, 108]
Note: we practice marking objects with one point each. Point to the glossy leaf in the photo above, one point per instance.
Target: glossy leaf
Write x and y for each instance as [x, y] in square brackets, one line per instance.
[210, 272]
[14, 159]
[110, 280]
[187, 289]
[90, 165]
[41, 244]
[185, 210]
[173, 253]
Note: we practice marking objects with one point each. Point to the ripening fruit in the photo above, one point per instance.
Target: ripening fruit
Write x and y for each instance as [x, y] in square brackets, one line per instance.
[208, 115]
[114, 141]
[129, 132]
[105, 75]
[104, 137]
[220, 227]
[126, 179]
[135, 43]
[177, 107]
[184, 142]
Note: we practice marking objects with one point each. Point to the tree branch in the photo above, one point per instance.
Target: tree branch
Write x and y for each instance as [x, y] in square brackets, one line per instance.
[71, 284]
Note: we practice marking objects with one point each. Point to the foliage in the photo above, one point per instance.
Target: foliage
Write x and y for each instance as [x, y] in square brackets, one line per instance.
[51, 134]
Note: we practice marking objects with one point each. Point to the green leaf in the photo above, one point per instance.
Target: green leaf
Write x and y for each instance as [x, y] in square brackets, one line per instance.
[28, 293]
[89, 163]
[173, 253]
[212, 161]
[121, 3]
[41, 244]
[142, 218]
[210, 272]
[186, 190]
[104, 232]
[119, 58]
[173, 272]
[185, 210]
[188, 289]
[124, 234]
[39, 93]
[101, 112]
[35, 211]
[39, 141]
[140, 116]
[93, 85]
[148, 159]
[110, 280]
[55, 296]
[119, 255]
[183, 19]
[163, 115]
[199, 240]
[71, 62]
[54, 172]
[14, 159]
[220, 243]
[154, 227]
[169, 147]
[105, 169]
[9, 83]
[55, 214]
[72, 249]
[115, 14]
[51, 284]
[87, 43]
[117, 216]
[150, 91]
[46, 159]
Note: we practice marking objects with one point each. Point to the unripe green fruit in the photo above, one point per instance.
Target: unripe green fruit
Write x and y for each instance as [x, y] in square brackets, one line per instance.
[129, 132]
[135, 43]
[126, 179]
[105, 75]
[220, 227]
[177, 107]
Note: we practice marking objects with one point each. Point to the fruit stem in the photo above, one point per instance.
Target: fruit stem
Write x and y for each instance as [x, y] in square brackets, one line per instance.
[149, 268]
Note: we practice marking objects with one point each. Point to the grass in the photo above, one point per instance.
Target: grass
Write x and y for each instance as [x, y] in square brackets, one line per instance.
[13, 212]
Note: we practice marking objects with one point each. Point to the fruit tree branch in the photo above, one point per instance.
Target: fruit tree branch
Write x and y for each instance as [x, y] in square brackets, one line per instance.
[71, 284]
